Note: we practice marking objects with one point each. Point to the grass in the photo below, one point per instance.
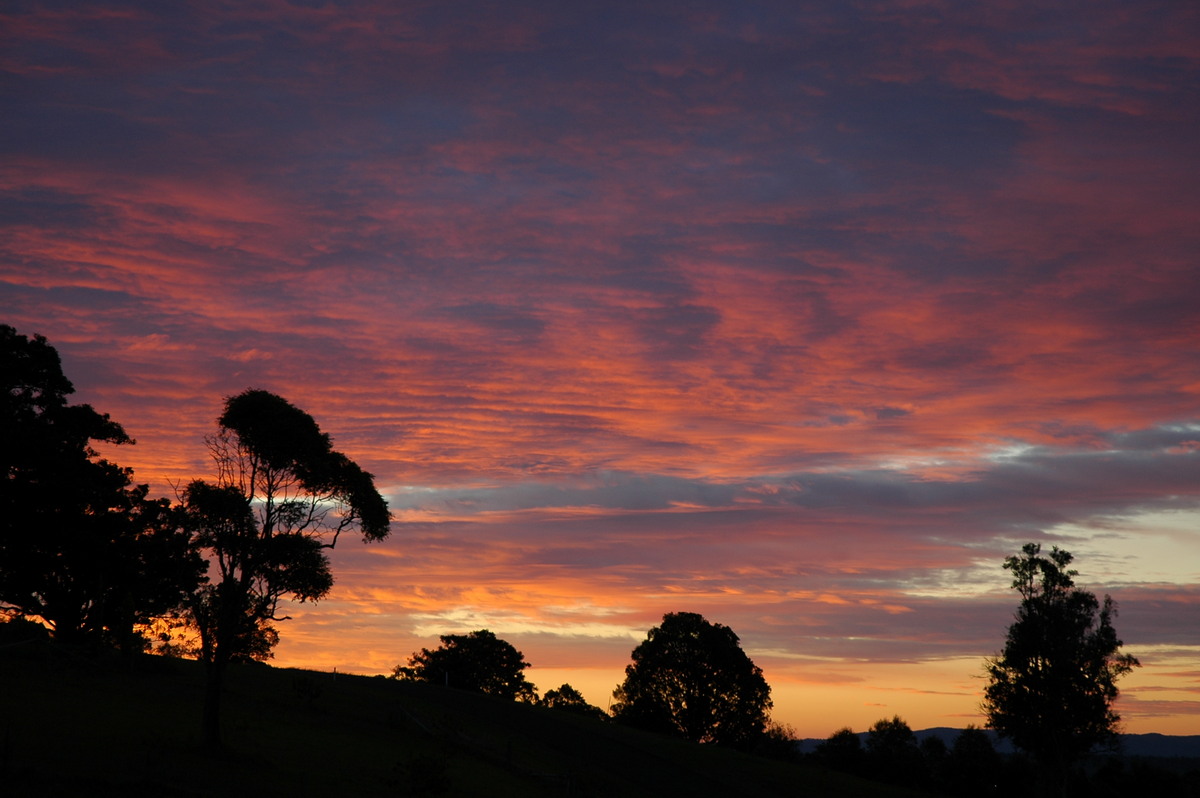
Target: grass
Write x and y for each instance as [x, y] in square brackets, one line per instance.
[72, 725]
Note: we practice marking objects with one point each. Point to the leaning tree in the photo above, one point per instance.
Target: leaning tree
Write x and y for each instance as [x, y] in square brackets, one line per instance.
[1051, 690]
[690, 678]
[281, 498]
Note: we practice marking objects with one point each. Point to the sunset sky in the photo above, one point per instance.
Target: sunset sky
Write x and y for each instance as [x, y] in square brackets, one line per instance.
[799, 315]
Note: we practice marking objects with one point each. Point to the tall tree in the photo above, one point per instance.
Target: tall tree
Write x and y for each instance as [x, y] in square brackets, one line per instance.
[1051, 690]
[81, 546]
[479, 662]
[282, 496]
[692, 679]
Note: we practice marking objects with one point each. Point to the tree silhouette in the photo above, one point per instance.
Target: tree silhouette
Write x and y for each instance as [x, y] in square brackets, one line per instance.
[568, 699]
[1052, 689]
[81, 546]
[778, 741]
[479, 662]
[973, 766]
[282, 496]
[841, 751]
[691, 678]
[892, 752]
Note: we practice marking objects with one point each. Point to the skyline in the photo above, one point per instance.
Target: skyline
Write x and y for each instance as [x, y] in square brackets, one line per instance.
[802, 318]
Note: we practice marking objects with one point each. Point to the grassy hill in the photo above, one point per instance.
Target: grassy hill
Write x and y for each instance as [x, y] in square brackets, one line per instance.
[75, 725]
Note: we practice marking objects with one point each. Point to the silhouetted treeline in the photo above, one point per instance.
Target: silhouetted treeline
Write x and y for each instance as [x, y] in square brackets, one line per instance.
[87, 552]
[970, 766]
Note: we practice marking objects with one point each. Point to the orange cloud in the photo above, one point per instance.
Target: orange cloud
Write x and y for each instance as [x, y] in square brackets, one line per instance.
[801, 321]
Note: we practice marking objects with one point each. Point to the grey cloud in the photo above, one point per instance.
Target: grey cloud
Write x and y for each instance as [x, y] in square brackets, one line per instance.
[514, 324]
[1040, 484]
[611, 490]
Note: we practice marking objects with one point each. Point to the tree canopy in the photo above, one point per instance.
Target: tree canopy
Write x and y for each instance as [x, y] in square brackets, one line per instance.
[691, 678]
[81, 546]
[972, 766]
[567, 699]
[1051, 690]
[478, 661]
[282, 497]
[275, 453]
[892, 754]
[842, 751]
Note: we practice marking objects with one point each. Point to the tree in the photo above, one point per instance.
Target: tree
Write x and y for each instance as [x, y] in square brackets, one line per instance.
[691, 678]
[842, 751]
[81, 547]
[892, 752]
[568, 699]
[973, 766]
[1051, 690]
[479, 662]
[282, 497]
[778, 741]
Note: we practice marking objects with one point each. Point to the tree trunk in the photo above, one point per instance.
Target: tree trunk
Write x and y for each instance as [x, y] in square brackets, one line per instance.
[214, 678]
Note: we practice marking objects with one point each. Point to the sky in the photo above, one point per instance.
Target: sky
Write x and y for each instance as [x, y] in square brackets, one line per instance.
[799, 315]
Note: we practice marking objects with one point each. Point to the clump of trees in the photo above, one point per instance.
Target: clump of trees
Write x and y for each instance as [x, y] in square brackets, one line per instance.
[690, 678]
[970, 767]
[567, 699]
[1051, 690]
[82, 547]
[479, 662]
[893, 754]
[86, 551]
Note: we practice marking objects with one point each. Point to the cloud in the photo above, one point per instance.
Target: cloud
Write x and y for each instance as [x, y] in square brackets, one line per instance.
[803, 319]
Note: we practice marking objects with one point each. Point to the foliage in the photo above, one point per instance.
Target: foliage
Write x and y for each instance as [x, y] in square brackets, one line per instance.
[252, 572]
[479, 662]
[282, 497]
[972, 766]
[1051, 690]
[892, 755]
[892, 752]
[568, 699]
[273, 451]
[81, 546]
[778, 741]
[691, 678]
[889, 737]
[842, 751]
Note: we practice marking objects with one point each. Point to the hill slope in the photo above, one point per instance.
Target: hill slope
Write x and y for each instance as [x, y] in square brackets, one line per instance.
[71, 725]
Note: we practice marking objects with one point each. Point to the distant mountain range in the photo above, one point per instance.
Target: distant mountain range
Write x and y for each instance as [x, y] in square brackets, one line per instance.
[1156, 745]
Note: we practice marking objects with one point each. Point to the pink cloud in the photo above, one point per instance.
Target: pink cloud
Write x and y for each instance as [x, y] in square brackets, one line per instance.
[801, 321]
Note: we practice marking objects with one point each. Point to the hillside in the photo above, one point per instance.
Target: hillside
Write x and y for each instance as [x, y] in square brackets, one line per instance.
[72, 725]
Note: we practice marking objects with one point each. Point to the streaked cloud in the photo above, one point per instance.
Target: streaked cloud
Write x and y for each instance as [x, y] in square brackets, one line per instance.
[800, 317]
